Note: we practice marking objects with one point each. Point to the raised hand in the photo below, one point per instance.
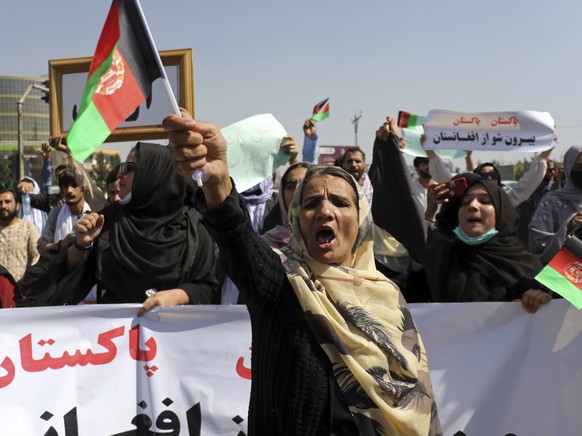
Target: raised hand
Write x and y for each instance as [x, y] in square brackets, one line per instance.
[58, 143]
[200, 145]
[45, 151]
[88, 228]
[291, 148]
[310, 128]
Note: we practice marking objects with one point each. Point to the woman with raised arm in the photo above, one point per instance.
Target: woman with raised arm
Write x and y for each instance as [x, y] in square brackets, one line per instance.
[335, 350]
[469, 249]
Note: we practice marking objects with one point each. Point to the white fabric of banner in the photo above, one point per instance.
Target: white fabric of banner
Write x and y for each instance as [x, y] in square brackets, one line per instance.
[526, 131]
[100, 370]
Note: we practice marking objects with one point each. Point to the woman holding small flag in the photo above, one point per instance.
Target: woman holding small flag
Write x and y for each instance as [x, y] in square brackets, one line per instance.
[335, 350]
[469, 249]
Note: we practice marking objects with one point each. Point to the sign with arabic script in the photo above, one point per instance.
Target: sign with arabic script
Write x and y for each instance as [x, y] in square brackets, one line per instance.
[526, 131]
[101, 370]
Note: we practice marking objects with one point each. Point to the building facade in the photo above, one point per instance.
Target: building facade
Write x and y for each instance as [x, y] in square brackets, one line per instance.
[35, 124]
[35, 131]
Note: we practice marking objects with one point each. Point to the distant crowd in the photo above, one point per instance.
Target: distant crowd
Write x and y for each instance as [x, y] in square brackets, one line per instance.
[305, 249]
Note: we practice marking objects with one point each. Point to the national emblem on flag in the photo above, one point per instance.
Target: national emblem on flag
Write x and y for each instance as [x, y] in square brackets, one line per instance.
[321, 110]
[563, 274]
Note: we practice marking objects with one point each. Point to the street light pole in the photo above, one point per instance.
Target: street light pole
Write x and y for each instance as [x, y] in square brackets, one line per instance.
[355, 122]
[19, 110]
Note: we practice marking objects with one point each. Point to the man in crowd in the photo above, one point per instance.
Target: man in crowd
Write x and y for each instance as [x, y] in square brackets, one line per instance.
[112, 183]
[354, 162]
[60, 225]
[18, 238]
[424, 179]
[91, 192]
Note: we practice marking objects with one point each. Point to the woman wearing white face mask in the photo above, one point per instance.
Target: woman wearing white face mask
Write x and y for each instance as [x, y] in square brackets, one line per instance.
[469, 249]
[559, 212]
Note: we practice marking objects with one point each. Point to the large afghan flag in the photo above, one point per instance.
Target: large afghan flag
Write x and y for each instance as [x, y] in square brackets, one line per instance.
[120, 78]
[321, 110]
[563, 274]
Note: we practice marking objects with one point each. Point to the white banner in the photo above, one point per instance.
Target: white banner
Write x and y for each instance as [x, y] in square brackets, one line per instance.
[527, 131]
[100, 370]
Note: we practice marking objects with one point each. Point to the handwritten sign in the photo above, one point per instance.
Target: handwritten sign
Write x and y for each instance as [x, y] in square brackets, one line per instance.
[254, 151]
[526, 131]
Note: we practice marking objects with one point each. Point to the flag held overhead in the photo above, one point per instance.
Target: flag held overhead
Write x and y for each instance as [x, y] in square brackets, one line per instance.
[321, 110]
[120, 77]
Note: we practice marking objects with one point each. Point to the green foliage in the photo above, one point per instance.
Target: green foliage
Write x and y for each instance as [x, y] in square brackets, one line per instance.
[521, 167]
[102, 166]
[6, 175]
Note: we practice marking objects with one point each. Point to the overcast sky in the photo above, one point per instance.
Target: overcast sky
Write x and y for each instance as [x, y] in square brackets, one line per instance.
[376, 56]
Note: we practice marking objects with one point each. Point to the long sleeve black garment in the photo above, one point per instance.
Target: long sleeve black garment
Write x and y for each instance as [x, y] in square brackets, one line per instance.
[48, 284]
[494, 271]
[292, 381]
[394, 207]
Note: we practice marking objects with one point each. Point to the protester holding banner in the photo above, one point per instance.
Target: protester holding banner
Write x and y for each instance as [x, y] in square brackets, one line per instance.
[153, 238]
[335, 350]
[518, 193]
[559, 212]
[469, 251]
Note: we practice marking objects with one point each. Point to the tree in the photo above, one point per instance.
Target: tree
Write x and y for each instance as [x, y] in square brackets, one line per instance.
[7, 174]
[521, 167]
[102, 166]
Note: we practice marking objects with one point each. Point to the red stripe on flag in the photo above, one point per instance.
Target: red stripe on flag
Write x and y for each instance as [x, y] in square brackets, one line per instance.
[109, 37]
[568, 265]
[403, 119]
[321, 107]
[118, 93]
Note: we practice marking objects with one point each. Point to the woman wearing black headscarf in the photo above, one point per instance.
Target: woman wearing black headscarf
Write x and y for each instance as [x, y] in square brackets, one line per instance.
[469, 251]
[152, 239]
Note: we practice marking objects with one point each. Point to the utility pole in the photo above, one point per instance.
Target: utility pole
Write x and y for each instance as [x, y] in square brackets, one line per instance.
[355, 122]
[19, 110]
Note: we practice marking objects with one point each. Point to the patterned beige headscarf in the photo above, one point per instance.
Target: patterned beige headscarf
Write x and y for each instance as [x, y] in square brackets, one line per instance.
[361, 321]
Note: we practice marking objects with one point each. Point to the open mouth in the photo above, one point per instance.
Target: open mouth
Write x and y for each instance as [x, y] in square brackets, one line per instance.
[324, 236]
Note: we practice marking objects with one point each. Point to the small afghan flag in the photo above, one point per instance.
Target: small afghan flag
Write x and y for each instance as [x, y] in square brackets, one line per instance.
[120, 77]
[409, 121]
[321, 110]
[563, 274]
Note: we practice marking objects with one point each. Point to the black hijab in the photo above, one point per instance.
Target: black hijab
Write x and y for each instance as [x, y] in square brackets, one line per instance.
[155, 234]
[497, 270]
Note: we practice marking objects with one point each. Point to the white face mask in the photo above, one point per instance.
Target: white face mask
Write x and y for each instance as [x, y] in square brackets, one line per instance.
[125, 199]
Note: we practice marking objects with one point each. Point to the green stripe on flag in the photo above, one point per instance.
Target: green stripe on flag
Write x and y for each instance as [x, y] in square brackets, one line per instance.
[560, 285]
[87, 133]
[320, 117]
[94, 79]
[413, 120]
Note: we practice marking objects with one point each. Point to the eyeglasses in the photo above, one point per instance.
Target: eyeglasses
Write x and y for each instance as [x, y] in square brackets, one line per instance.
[551, 170]
[487, 176]
[126, 168]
